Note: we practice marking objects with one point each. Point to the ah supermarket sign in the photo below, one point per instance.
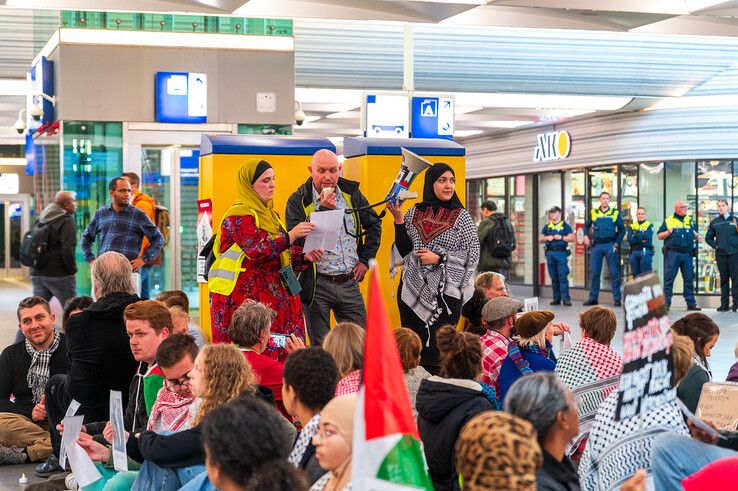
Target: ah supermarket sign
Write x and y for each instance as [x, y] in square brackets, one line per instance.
[553, 145]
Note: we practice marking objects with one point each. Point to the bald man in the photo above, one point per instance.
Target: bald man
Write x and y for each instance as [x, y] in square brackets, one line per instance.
[679, 232]
[332, 282]
[55, 275]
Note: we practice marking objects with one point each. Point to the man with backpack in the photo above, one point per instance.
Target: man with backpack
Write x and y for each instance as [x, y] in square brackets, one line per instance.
[496, 239]
[48, 249]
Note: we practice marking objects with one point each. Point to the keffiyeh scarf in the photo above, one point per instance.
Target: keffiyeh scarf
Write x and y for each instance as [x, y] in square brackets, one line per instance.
[170, 411]
[39, 371]
[702, 364]
[303, 441]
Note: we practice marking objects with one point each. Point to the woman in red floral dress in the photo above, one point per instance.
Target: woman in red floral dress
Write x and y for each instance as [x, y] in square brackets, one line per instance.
[253, 225]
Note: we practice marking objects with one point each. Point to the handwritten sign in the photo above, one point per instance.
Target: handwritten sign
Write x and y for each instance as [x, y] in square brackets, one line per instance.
[647, 379]
[719, 405]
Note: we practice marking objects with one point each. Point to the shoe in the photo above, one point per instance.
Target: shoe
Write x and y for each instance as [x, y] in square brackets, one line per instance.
[567, 303]
[590, 302]
[11, 455]
[617, 303]
[555, 302]
[693, 307]
[734, 308]
[51, 466]
[71, 482]
[723, 308]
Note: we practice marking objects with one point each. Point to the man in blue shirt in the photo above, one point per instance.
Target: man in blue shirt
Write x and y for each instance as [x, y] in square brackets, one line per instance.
[555, 235]
[121, 227]
[679, 232]
[722, 235]
[640, 238]
[608, 231]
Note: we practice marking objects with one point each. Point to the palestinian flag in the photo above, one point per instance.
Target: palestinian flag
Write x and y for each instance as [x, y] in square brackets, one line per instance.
[386, 447]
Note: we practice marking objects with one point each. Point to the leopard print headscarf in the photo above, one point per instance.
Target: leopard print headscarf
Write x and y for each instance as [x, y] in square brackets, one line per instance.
[496, 450]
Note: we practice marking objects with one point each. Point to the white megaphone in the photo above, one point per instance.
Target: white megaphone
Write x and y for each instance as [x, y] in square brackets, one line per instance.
[411, 167]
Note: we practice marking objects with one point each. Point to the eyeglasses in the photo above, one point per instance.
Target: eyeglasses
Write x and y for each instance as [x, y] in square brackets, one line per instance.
[176, 385]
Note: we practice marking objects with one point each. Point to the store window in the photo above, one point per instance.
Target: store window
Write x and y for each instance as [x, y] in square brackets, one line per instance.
[680, 185]
[575, 211]
[714, 182]
[651, 197]
[628, 207]
[474, 194]
[521, 216]
[549, 195]
[602, 179]
[495, 191]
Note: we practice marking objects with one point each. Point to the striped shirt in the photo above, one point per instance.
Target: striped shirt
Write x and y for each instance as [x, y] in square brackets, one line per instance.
[123, 232]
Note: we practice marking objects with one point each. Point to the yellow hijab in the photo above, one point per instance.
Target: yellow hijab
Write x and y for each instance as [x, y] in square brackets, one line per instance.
[249, 203]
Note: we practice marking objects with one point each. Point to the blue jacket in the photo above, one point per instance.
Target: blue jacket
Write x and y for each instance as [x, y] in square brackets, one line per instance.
[607, 226]
[509, 372]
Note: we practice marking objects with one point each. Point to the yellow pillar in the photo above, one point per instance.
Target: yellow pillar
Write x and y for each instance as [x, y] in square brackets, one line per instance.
[374, 162]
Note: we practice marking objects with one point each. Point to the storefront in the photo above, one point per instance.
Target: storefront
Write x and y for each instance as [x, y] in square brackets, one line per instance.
[653, 184]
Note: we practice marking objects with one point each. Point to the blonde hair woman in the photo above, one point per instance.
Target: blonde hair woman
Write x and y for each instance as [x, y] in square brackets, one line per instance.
[345, 343]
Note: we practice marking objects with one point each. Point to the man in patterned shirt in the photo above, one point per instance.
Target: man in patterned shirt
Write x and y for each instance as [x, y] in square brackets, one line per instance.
[498, 315]
[121, 227]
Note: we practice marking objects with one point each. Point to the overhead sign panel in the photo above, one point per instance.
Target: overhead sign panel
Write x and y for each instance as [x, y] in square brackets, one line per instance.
[433, 117]
[386, 116]
[41, 80]
[181, 97]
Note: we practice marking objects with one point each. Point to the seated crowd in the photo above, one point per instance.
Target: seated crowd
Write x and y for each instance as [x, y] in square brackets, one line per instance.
[504, 412]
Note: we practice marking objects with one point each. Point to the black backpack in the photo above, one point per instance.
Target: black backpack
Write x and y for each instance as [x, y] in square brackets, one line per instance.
[501, 239]
[34, 247]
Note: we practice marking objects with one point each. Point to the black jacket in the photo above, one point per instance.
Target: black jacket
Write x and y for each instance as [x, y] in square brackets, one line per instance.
[722, 235]
[14, 364]
[60, 260]
[444, 406]
[557, 476]
[100, 357]
[369, 227]
[488, 262]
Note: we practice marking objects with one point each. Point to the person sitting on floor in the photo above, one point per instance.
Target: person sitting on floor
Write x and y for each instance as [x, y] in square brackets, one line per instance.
[410, 347]
[25, 368]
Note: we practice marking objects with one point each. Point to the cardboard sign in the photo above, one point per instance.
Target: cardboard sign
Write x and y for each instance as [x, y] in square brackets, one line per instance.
[647, 380]
[719, 405]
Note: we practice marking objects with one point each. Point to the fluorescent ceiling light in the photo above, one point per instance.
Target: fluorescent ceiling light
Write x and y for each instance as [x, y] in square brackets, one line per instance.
[465, 133]
[345, 115]
[558, 114]
[176, 39]
[466, 109]
[504, 124]
[351, 98]
[13, 86]
[22, 161]
[695, 101]
[541, 101]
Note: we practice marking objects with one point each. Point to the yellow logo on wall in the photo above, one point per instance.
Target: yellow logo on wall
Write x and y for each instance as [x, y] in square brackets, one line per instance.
[554, 145]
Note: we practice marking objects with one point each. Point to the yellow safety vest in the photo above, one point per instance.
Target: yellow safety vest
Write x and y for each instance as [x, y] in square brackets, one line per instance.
[637, 227]
[596, 213]
[672, 222]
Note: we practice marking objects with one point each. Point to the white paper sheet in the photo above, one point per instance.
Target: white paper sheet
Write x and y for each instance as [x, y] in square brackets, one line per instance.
[71, 411]
[327, 229]
[530, 304]
[120, 459]
[84, 469]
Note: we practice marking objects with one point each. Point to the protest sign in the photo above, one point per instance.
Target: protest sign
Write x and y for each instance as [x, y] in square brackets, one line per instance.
[719, 405]
[647, 379]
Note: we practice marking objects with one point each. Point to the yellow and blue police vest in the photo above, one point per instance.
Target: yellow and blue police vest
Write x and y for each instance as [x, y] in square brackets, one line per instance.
[640, 227]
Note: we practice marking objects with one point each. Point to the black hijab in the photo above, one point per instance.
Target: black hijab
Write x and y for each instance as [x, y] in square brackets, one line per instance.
[429, 196]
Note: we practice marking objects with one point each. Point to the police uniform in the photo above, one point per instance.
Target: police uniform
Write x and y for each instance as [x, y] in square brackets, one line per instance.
[640, 238]
[557, 255]
[678, 248]
[722, 235]
[608, 231]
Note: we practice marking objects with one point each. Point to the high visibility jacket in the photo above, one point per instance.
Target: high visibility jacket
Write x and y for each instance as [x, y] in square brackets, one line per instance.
[682, 233]
[561, 228]
[606, 226]
[640, 236]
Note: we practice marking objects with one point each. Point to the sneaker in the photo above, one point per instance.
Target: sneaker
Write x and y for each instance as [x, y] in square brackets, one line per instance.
[734, 308]
[555, 302]
[567, 303]
[590, 302]
[71, 482]
[723, 308]
[617, 303]
[51, 466]
[693, 307]
[11, 455]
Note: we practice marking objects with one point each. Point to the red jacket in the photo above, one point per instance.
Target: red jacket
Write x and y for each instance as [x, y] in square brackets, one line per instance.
[269, 374]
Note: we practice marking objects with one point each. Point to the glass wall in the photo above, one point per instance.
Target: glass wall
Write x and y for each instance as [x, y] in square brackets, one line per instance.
[651, 197]
[495, 191]
[714, 182]
[521, 216]
[474, 195]
[601, 180]
[549, 195]
[156, 172]
[575, 213]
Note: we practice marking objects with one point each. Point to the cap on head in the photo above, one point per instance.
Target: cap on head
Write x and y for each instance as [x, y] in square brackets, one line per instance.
[554, 209]
[500, 308]
[532, 323]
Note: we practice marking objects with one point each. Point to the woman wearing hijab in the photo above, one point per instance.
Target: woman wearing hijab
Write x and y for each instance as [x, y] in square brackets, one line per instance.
[333, 443]
[440, 249]
[256, 259]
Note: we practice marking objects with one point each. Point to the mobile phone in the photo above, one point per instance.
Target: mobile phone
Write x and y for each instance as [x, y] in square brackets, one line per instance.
[279, 340]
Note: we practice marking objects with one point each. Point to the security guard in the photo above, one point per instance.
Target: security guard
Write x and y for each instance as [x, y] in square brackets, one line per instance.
[640, 238]
[722, 235]
[555, 235]
[679, 232]
[608, 231]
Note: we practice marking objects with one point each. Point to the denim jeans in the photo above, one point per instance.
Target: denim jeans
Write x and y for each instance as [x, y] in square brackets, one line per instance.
[199, 483]
[675, 457]
[61, 287]
[152, 476]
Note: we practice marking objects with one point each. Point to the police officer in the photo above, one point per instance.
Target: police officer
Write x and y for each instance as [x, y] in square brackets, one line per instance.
[555, 235]
[608, 231]
[640, 238]
[679, 232]
[722, 235]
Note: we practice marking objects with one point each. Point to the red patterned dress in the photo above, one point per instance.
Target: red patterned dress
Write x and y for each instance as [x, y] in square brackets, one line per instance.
[259, 281]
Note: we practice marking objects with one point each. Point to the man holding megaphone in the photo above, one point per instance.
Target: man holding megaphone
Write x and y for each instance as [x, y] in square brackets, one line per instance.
[333, 282]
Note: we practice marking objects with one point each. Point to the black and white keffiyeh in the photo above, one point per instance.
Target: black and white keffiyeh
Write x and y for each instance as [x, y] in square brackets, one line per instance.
[303, 441]
[39, 371]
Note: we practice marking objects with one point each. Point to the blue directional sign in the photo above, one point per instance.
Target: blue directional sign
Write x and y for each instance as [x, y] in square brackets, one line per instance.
[181, 97]
[432, 117]
[41, 79]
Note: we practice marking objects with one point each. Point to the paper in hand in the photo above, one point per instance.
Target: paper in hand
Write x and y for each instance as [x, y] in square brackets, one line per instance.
[84, 469]
[326, 232]
[120, 459]
[71, 411]
[697, 421]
